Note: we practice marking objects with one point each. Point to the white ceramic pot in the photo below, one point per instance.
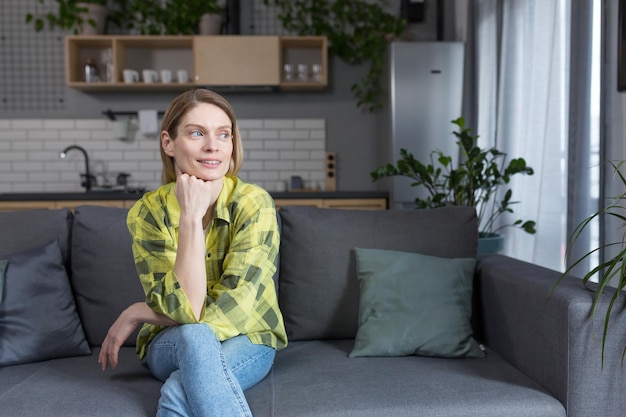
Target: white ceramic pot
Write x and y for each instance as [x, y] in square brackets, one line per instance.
[210, 24]
[96, 12]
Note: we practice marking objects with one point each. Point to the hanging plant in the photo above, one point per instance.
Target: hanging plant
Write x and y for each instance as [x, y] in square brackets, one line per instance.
[357, 33]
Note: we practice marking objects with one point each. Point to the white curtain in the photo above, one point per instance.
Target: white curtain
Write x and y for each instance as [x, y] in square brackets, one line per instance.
[521, 107]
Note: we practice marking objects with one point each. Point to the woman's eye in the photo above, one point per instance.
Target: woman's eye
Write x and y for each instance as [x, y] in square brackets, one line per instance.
[196, 133]
[224, 135]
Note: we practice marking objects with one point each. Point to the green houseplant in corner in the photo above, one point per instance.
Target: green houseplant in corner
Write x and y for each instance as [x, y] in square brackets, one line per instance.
[475, 181]
[611, 272]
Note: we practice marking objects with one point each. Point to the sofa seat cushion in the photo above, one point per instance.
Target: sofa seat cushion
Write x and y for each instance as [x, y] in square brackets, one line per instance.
[77, 387]
[317, 378]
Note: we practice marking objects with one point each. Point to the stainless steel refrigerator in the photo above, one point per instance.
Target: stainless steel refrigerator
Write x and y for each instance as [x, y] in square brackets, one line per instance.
[424, 82]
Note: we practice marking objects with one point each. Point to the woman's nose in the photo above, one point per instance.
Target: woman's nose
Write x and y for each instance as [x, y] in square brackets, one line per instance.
[210, 143]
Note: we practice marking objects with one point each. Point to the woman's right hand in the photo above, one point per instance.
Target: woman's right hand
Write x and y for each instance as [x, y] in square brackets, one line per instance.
[194, 195]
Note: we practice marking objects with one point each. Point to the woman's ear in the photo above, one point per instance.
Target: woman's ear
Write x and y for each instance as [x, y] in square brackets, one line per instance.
[167, 143]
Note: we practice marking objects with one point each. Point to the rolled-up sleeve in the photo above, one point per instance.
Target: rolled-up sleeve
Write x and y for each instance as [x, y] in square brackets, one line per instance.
[154, 249]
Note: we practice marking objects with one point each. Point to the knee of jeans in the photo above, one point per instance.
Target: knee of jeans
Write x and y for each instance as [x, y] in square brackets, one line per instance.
[196, 333]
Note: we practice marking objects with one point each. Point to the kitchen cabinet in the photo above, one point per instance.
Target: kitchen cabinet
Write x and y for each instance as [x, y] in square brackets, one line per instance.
[210, 61]
[237, 60]
[336, 203]
[58, 204]
[72, 204]
[26, 205]
[127, 52]
[356, 203]
[304, 50]
[309, 202]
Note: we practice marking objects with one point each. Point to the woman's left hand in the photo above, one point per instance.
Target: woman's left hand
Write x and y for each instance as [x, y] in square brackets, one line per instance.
[124, 326]
[121, 329]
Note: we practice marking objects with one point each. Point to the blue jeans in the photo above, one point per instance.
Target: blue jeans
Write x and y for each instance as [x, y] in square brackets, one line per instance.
[203, 376]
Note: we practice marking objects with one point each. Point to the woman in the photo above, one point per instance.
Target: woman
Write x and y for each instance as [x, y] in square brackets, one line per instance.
[205, 246]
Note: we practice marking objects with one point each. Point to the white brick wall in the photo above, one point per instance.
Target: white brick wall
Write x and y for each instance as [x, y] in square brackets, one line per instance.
[275, 150]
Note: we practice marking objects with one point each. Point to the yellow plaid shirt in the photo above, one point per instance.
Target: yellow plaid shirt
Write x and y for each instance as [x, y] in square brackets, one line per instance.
[242, 250]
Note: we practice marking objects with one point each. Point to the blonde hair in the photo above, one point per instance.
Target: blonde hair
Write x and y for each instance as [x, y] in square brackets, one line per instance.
[175, 112]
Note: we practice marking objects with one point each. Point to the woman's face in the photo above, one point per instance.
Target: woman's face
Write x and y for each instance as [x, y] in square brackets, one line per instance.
[204, 143]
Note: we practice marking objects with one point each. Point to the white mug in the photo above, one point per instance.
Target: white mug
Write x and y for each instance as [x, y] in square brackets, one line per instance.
[130, 76]
[150, 76]
[182, 76]
[166, 76]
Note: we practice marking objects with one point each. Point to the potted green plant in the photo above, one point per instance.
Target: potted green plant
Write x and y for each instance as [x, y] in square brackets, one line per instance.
[475, 181]
[210, 22]
[81, 17]
[172, 17]
[610, 273]
[357, 30]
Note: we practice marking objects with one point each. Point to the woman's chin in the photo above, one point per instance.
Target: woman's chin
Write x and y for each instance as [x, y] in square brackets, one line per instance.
[210, 177]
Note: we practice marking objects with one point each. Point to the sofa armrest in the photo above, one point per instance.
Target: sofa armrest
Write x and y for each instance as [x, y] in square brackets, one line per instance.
[553, 339]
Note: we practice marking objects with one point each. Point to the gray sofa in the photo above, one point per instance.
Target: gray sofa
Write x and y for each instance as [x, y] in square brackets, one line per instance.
[541, 356]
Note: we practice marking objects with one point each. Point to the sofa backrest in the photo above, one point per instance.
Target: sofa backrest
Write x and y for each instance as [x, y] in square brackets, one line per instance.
[104, 278]
[318, 286]
[103, 274]
[21, 230]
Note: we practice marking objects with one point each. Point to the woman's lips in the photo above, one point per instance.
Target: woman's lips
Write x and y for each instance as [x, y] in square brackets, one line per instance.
[210, 162]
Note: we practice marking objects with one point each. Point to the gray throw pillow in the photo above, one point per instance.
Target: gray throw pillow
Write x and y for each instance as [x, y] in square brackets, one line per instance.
[38, 318]
[414, 304]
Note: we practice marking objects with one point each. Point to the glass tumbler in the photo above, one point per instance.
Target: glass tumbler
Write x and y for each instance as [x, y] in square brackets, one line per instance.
[303, 72]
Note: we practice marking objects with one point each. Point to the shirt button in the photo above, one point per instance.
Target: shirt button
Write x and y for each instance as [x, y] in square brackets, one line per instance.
[208, 255]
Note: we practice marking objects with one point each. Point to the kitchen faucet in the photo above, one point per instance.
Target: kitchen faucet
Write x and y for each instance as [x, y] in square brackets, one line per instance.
[88, 176]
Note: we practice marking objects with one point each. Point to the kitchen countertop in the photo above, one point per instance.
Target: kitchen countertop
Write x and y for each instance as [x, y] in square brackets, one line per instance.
[121, 195]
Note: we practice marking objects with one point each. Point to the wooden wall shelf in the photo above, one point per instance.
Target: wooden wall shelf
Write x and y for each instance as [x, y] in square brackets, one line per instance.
[210, 61]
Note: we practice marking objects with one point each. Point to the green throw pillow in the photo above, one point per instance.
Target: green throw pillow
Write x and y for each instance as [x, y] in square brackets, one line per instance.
[414, 304]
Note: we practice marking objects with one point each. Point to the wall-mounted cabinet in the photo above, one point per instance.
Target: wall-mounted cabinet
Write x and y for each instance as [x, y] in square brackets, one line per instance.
[237, 60]
[309, 53]
[209, 61]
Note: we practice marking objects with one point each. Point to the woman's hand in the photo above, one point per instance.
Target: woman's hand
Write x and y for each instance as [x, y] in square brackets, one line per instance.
[124, 326]
[121, 329]
[195, 195]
